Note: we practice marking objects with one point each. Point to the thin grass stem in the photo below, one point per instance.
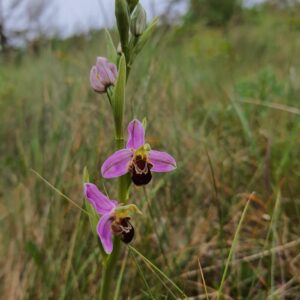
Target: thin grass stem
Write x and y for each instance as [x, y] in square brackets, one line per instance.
[148, 262]
[59, 192]
[234, 243]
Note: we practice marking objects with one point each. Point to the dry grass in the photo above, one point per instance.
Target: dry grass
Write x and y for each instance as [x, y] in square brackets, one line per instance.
[189, 85]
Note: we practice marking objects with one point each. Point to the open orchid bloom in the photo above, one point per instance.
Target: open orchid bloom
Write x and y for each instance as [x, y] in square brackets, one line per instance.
[102, 75]
[137, 158]
[114, 217]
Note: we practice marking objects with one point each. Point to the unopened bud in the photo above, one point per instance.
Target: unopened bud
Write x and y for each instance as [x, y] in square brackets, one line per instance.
[138, 20]
[102, 75]
[122, 16]
[132, 4]
[119, 49]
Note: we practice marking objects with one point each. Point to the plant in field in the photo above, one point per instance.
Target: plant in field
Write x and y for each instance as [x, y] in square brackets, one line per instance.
[137, 158]
[109, 76]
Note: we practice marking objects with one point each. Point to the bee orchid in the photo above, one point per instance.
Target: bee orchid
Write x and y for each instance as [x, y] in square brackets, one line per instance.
[114, 220]
[137, 158]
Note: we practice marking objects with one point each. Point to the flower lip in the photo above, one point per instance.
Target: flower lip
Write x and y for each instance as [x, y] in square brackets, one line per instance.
[127, 236]
[124, 229]
[140, 165]
[140, 170]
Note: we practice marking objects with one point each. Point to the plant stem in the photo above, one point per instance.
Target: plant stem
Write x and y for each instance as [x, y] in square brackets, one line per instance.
[107, 271]
[110, 264]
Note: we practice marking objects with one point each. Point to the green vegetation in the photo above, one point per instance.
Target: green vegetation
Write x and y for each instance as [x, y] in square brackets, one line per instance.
[225, 103]
[214, 12]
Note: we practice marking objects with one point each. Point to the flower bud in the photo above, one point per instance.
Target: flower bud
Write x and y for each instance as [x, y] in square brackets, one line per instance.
[138, 20]
[132, 4]
[102, 75]
[119, 49]
[123, 20]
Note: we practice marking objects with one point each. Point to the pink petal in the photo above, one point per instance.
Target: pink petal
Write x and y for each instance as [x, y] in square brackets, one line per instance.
[115, 202]
[162, 161]
[136, 135]
[117, 164]
[105, 70]
[95, 81]
[104, 232]
[114, 71]
[103, 74]
[100, 202]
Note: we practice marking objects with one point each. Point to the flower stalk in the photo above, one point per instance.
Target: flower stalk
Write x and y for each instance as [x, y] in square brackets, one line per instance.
[108, 266]
[118, 102]
[108, 269]
[133, 161]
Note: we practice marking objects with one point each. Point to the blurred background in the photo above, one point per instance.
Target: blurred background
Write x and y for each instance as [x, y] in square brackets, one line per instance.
[219, 85]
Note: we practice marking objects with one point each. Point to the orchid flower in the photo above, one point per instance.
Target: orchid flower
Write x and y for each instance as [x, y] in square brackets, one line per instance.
[114, 217]
[137, 158]
[102, 75]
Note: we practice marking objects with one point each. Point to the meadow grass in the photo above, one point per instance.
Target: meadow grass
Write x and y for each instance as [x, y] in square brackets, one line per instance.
[224, 102]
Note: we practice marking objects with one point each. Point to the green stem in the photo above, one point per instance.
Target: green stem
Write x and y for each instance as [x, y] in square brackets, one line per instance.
[117, 99]
[110, 265]
[109, 94]
[108, 270]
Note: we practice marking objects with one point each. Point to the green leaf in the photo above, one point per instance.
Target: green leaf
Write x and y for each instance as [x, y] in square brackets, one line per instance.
[118, 102]
[112, 54]
[86, 175]
[243, 119]
[145, 123]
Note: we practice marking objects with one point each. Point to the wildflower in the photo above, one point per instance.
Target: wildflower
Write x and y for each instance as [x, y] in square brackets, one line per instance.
[137, 158]
[115, 219]
[103, 75]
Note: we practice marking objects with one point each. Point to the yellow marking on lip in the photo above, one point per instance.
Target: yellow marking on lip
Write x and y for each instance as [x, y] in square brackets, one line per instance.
[143, 152]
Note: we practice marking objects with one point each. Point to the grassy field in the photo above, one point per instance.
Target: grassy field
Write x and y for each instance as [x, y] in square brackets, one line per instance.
[223, 102]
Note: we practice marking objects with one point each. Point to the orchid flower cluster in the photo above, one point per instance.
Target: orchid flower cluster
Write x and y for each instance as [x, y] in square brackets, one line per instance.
[139, 161]
[135, 161]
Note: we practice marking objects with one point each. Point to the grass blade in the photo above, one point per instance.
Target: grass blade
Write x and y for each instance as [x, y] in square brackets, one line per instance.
[59, 192]
[148, 262]
[234, 242]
